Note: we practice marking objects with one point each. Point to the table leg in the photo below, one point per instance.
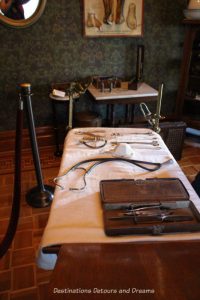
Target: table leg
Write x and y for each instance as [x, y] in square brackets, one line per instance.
[57, 152]
[110, 111]
[107, 113]
[132, 113]
[129, 113]
[70, 117]
[113, 121]
[126, 114]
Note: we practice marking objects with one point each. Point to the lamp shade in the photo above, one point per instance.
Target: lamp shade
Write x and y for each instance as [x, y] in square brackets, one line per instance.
[194, 4]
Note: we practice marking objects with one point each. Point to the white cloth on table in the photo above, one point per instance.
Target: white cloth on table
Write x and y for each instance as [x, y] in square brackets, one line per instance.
[76, 216]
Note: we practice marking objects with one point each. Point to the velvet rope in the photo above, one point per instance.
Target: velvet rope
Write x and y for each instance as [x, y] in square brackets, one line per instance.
[14, 217]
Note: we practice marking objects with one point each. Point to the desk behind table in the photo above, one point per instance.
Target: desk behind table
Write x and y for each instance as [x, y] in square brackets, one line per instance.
[144, 93]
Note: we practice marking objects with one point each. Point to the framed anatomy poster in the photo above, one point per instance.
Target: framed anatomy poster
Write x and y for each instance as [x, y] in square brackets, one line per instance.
[113, 18]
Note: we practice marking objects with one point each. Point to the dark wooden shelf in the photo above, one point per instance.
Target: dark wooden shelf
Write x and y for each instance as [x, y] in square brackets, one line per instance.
[191, 122]
[196, 51]
[187, 108]
[191, 99]
[192, 22]
[194, 76]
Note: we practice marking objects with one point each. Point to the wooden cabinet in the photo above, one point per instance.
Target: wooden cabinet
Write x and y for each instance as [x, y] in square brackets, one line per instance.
[188, 99]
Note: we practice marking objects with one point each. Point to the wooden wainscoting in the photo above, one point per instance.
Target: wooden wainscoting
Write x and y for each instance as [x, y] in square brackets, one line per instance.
[45, 137]
[46, 145]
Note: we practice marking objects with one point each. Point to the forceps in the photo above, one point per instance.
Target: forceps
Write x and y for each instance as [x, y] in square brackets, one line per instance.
[132, 133]
[152, 143]
[94, 133]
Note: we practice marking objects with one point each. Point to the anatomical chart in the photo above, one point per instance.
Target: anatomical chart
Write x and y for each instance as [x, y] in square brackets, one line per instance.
[113, 17]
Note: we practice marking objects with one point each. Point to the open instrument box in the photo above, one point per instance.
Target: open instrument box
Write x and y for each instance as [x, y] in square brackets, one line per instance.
[153, 206]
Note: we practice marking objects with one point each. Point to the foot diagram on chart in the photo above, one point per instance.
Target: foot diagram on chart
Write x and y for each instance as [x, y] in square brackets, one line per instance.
[113, 17]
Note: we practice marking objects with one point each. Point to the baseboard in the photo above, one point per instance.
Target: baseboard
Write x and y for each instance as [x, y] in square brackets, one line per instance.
[45, 137]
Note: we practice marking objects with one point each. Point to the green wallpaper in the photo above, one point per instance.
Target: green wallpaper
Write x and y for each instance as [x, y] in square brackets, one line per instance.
[54, 49]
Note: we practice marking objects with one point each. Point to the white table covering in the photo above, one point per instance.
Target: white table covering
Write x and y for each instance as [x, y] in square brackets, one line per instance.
[76, 216]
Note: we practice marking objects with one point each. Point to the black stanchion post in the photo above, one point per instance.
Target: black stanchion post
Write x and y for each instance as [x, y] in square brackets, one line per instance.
[41, 195]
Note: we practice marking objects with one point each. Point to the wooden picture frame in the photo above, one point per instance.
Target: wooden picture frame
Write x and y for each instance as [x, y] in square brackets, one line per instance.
[113, 18]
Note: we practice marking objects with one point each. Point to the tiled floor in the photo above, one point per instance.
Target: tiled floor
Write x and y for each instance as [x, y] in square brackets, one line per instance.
[190, 162]
[20, 278]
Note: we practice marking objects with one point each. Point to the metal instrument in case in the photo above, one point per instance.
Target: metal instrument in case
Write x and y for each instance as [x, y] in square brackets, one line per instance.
[153, 206]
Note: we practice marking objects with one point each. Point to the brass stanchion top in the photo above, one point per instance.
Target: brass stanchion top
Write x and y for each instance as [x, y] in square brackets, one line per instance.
[25, 85]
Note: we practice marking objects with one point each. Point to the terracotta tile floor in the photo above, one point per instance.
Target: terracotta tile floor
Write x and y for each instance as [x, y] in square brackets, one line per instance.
[20, 278]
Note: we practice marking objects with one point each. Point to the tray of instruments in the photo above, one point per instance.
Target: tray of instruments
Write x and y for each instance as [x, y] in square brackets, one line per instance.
[152, 206]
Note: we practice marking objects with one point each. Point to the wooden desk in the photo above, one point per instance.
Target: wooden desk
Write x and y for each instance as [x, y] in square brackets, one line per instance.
[158, 271]
[123, 96]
